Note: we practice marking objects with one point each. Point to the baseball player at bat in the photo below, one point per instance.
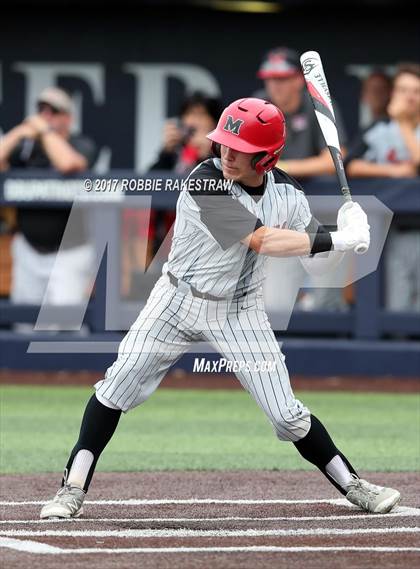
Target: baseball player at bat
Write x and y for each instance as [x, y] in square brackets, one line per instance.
[236, 210]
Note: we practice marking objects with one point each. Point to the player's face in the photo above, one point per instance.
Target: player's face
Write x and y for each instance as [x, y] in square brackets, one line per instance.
[237, 166]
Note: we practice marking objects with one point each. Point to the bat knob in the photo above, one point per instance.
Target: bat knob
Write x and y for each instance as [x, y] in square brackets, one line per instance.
[361, 249]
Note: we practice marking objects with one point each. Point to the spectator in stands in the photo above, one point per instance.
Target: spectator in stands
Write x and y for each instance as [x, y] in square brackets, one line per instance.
[391, 148]
[184, 138]
[45, 141]
[305, 153]
[375, 97]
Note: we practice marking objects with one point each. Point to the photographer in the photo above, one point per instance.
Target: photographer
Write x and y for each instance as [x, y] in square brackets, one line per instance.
[184, 139]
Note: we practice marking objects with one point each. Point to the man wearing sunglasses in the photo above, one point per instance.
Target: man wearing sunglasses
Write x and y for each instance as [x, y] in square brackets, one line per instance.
[44, 140]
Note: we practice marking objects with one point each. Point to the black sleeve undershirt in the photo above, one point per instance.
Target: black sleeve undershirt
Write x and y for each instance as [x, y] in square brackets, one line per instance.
[319, 236]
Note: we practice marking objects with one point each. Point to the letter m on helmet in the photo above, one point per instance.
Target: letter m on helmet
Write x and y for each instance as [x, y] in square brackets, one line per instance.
[233, 126]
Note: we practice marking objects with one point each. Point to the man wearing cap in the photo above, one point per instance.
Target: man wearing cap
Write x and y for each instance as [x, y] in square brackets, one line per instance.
[44, 140]
[305, 154]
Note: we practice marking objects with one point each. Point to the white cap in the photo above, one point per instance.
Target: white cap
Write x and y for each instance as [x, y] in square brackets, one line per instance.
[56, 98]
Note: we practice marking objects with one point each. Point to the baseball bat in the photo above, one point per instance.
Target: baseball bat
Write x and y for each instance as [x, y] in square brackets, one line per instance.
[317, 85]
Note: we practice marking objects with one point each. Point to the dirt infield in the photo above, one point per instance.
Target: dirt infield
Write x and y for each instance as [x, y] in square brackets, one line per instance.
[244, 519]
[179, 379]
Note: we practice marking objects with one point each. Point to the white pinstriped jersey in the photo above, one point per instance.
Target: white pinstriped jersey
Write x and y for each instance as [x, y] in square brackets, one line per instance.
[206, 250]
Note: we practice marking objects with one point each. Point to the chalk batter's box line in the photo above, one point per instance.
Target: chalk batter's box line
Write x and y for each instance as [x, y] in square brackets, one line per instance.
[402, 511]
[145, 502]
[36, 547]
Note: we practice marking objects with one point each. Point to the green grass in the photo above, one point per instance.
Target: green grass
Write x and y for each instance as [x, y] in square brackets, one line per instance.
[204, 430]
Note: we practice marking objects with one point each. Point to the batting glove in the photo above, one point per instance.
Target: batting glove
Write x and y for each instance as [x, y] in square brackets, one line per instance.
[350, 237]
[349, 214]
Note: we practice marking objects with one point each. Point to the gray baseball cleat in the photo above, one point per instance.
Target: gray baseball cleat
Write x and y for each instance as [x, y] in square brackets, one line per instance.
[372, 498]
[67, 503]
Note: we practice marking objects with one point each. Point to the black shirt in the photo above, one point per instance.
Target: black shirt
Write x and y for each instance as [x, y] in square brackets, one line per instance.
[44, 228]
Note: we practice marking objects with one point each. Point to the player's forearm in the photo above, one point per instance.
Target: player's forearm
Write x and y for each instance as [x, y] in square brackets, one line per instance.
[275, 242]
[279, 242]
[62, 155]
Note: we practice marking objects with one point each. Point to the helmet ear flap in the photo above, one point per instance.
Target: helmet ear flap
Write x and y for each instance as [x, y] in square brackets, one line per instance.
[263, 162]
[215, 148]
[256, 158]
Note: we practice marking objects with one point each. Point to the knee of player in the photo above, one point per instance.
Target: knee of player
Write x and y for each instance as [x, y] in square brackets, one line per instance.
[107, 403]
[292, 428]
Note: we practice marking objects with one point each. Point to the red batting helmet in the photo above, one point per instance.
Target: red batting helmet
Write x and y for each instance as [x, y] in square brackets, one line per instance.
[253, 126]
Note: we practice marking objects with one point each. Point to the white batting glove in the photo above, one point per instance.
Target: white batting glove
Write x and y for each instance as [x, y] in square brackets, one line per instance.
[350, 237]
[350, 213]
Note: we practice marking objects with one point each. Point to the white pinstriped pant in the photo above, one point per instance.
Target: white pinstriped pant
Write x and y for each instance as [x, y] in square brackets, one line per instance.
[240, 331]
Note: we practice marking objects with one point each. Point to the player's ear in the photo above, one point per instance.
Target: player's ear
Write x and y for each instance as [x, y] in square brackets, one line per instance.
[215, 148]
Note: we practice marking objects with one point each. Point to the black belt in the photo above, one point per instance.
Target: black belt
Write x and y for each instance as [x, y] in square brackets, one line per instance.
[205, 295]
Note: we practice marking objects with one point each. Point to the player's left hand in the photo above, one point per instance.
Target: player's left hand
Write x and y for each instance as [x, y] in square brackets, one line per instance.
[351, 213]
